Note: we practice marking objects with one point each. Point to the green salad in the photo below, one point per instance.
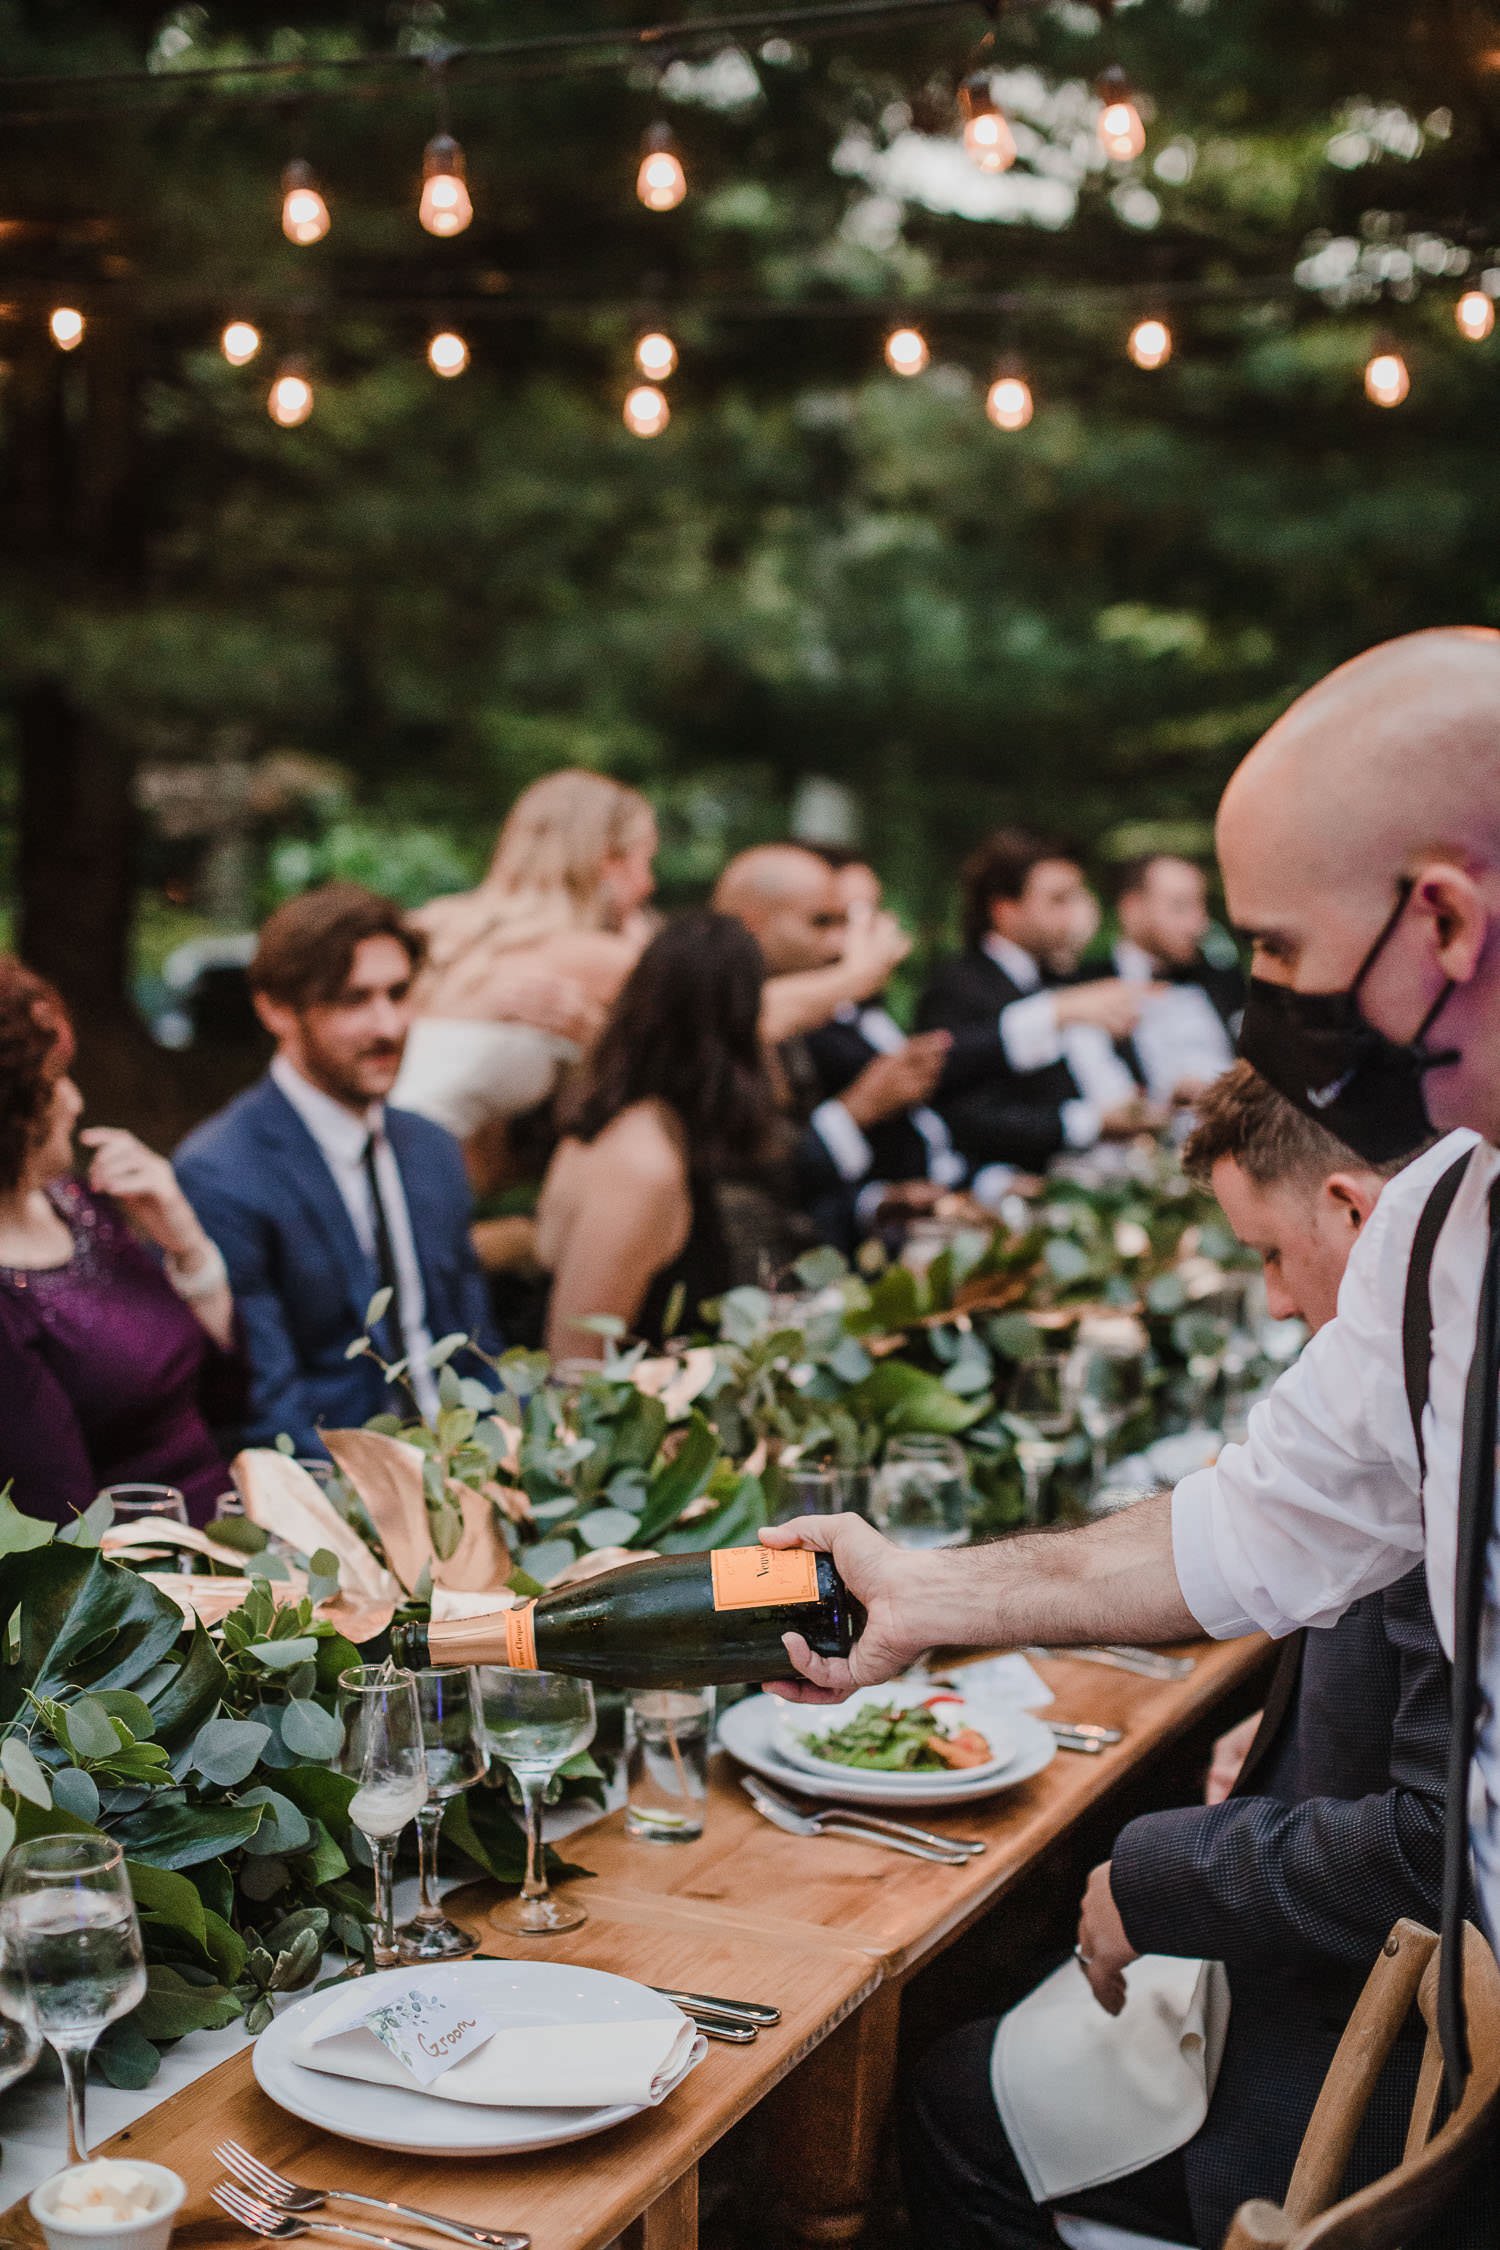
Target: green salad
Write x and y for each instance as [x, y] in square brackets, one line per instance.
[899, 1738]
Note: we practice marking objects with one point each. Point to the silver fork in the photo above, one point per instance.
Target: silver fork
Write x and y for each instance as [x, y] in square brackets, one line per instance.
[291, 2197]
[850, 1816]
[834, 1822]
[281, 2226]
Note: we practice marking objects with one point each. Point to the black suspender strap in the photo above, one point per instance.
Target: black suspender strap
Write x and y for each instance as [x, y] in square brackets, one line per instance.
[1416, 1314]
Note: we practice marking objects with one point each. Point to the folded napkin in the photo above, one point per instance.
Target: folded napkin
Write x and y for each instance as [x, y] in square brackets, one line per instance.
[1088, 2097]
[524, 2066]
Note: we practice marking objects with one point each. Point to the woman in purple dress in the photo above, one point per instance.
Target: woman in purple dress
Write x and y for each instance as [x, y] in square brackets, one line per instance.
[115, 1311]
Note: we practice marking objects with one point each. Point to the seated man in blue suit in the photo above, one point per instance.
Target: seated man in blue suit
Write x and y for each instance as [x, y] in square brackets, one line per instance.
[319, 1195]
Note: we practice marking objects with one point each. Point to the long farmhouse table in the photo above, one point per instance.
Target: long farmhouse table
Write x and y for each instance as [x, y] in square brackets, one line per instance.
[827, 1929]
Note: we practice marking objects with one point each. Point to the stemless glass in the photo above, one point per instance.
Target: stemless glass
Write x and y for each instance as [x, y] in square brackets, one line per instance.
[1041, 1404]
[454, 1747]
[136, 1504]
[919, 1495]
[382, 1753]
[534, 1722]
[72, 1951]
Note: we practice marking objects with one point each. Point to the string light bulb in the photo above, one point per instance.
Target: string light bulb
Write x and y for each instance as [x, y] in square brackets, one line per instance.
[1387, 380]
[1475, 314]
[1122, 136]
[291, 396]
[445, 208]
[661, 182]
[1008, 402]
[906, 351]
[655, 355]
[987, 137]
[66, 327]
[447, 353]
[646, 412]
[1150, 343]
[304, 214]
[240, 342]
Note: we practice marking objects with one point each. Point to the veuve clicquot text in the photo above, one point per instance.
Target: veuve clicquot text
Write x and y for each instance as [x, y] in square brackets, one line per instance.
[668, 1621]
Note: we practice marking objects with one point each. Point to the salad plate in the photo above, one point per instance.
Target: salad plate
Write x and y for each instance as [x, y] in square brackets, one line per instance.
[860, 1727]
[748, 1731]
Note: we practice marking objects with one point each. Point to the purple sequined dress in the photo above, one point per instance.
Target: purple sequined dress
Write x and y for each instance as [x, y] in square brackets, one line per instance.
[111, 1367]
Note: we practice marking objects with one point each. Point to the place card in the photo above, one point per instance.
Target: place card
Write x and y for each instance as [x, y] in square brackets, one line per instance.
[428, 2035]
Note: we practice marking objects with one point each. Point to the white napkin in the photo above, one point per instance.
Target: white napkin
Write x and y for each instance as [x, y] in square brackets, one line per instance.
[1088, 2097]
[525, 2066]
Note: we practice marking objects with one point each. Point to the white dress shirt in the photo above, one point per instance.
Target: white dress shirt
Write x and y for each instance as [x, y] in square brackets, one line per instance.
[1179, 1034]
[341, 1135]
[844, 1137]
[1322, 1503]
[1033, 1039]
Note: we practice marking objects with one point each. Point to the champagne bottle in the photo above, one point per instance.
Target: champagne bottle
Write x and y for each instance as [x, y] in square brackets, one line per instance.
[670, 1621]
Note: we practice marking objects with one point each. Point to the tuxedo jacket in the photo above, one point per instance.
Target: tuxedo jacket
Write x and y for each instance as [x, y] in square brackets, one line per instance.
[996, 1114]
[1333, 1831]
[837, 1052]
[301, 1278]
[1224, 989]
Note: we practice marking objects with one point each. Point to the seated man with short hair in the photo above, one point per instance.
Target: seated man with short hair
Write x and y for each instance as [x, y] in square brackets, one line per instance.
[1292, 1876]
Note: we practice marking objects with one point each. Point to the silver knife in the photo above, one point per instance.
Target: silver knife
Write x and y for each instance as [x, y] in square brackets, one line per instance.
[748, 2011]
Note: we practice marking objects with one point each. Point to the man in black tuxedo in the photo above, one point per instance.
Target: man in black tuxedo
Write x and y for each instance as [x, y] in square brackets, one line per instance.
[1033, 1068]
[1322, 1825]
[1184, 1036]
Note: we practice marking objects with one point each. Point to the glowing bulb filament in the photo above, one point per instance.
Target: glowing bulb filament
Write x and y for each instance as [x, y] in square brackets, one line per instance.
[447, 354]
[906, 351]
[987, 137]
[1122, 136]
[240, 342]
[304, 214]
[1150, 343]
[1386, 379]
[646, 411]
[1009, 403]
[661, 182]
[66, 327]
[655, 355]
[1475, 314]
[445, 208]
[291, 399]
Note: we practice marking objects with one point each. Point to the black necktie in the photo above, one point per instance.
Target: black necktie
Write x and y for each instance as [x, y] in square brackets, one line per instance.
[1476, 1515]
[385, 1256]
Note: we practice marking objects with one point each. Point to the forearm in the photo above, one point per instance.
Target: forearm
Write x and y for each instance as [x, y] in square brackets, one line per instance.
[805, 999]
[1113, 1580]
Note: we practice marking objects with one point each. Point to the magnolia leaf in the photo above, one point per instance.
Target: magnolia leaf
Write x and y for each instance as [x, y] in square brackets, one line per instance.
[311, 1732]
[76, 1792]
[227, 1751]
[679, 1483]
[607, 1527]
[171, 1898]
[173, 2006]
[170, 1832]
[24, 1774]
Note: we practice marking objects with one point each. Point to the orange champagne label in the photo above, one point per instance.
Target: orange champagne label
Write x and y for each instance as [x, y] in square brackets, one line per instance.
[520, 1637]
[763, 1577]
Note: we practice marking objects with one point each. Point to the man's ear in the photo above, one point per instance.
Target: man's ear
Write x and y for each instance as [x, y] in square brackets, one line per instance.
[1352, 1196]
[1451, 898]
[275, 1017]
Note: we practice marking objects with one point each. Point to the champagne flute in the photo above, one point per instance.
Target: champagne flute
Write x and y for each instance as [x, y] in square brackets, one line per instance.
[534, 1722]
[72, 1952]
[1042, 1408]
[382, 1753]
[454, 1746]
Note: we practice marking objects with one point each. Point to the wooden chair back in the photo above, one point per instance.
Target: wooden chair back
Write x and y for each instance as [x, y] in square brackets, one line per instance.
[1392, 2209]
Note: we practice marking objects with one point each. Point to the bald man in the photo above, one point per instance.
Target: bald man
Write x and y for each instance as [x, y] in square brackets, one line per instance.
[1360, 845]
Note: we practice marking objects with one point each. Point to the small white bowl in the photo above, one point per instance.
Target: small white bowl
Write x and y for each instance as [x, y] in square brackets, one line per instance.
[152, 2231]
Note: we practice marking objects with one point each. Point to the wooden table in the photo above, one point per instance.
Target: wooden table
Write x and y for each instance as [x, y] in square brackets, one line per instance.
[829, 1931]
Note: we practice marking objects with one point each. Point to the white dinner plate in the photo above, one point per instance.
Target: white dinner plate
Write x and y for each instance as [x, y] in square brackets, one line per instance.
[747, 1732]
[510, 1992]
[795, 1720]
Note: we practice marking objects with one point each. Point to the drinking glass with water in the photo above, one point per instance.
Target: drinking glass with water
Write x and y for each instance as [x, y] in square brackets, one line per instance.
[919, 1497]
[668, 1732]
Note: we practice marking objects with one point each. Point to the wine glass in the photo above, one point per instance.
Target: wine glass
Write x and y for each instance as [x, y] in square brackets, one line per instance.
[134, 1505]
[1106, 1387]
[73, 1955]
[534, 1722]
[454, 1747]
[382, 1753]
[1042, 1406]
[919, 1493]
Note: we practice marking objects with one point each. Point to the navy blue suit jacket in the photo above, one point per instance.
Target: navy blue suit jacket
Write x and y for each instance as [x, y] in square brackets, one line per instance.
[258, 1181]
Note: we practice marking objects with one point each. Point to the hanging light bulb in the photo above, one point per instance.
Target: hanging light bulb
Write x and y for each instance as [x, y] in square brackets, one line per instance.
[661, 182]
[447, 354]
[1150, 343]
[445, 207]
[1386, 378]
[304, 214]
[987, 137]
[655, 355]
[1475, 314]
[291, 397]
[66, 326]
[240, 342]
[646, 411]
[1009, 403]
[1122, 136]
[906, 351]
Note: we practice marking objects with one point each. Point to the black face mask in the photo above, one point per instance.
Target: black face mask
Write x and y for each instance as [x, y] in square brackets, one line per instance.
[1318, 1050]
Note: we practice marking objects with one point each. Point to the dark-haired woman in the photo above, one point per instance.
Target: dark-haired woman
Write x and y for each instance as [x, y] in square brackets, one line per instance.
[111, 1337]
[668, 1181]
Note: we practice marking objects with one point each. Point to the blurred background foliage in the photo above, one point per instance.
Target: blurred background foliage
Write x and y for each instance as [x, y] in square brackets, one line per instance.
[236, 658]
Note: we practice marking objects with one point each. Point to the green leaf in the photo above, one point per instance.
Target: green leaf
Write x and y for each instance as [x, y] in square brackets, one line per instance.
[378, 1307]
[677, 1485]
[24, 1774]
[546, 1559]
[133, 1710]
[20, 1534]
[171, 1897]
[638, 1433]
[905, 1398]
[125, 2056]
[320, 1793]
[238, 1532]
[76, 1792]
[284, 1826]
[227, 1751]
[174, 1833]
[309, 1731]
[173, 2007]
[90, 1732]
[280, 1656]
[822, 1268]
[85, 1622]
[7, 1829]
[607, 1527]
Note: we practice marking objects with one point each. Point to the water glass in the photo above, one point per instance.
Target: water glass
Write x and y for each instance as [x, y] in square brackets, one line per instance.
[667, 1736]
[533, 1723]
[136, 1504]
[454, 1747]
[919, 1494]
[1042, 1411]
[382, 1752]
[72, 1947]
[1106, 1388]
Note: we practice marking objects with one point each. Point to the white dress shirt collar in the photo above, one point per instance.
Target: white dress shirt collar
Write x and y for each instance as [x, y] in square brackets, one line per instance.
[340, 1132]
[1019, 965]
[1134, 962]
